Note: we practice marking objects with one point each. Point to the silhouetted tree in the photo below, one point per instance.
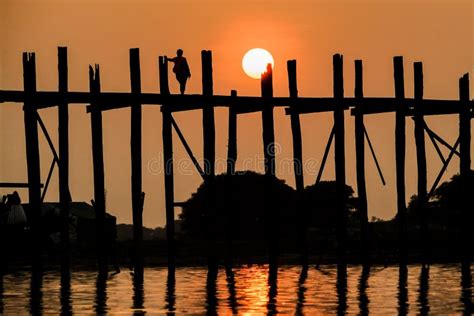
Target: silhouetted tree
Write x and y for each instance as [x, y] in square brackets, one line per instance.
[446, 204]
[246, 198]
[320, 201]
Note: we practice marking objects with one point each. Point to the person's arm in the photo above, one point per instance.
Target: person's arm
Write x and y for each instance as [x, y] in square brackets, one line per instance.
[187, 68]
[170, 59]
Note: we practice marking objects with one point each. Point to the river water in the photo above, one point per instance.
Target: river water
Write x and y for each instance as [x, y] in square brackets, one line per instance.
[441, 289]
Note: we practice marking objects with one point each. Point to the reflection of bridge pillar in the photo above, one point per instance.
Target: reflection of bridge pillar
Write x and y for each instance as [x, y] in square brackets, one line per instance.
[339, 157]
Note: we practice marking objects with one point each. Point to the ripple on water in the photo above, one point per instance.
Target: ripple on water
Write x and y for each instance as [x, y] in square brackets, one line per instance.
[247, 290]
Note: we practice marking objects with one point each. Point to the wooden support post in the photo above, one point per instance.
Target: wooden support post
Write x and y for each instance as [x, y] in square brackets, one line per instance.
[400, 156]
[208, 116]
[209, 135]
[271, 218]
[267, 122]
[298, 163]
[136, 160]
[465, 169]
[232, 142]
[421, 162]
[168, 163]
[231, 160]
[63, 135]
[339, 157]
[98, 164]
[32, 156]
[360, 167]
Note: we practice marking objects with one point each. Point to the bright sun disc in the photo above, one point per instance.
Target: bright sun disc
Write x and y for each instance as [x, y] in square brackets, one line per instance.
[255, 62]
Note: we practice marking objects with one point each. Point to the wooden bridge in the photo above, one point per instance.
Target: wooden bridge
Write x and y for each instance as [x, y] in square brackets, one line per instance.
[359, 106]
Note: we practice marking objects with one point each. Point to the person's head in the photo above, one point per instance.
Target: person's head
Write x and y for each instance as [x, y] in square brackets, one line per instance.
[179, 52]
[16, 198]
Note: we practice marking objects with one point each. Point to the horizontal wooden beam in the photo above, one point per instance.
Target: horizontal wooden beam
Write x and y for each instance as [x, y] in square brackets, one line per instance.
[180, 204]
[244, 104]
[15, 185]
[426, 106]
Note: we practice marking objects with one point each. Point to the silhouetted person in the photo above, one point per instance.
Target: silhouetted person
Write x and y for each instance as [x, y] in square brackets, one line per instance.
[181, 69]
[16, 215]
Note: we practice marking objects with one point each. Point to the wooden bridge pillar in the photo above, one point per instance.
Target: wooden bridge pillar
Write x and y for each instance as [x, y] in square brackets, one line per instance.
[63, 136]
[98, 164]
[232, 141]
[339, 156]
[209, 150]
[209, 133]
[360, 166]
[136, 160]
[267, 122]
[298, 163]
[421, 162]
[271, 218]
[168, 162]
[465, 169]
[32, 155]
[231, 194]
[400, 142]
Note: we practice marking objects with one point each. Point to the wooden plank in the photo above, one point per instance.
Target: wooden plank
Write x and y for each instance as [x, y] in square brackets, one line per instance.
[339, 158]
[98, 165]
[63, 139]
[32, 157]
[400, 142]
[422, 205]
[360, 167]
[136, 159]
[168, 163]
[298, 164]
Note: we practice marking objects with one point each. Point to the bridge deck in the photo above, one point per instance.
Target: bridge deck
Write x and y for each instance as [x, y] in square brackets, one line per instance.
[245, 104]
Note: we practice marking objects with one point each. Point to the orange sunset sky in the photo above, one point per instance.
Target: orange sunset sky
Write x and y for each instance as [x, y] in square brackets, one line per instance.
[439, 33]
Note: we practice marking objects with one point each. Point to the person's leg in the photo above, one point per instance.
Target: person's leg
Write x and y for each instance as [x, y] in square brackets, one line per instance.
[182, 84]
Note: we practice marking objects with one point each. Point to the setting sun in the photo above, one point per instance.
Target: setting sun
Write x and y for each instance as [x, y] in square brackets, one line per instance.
[255, 62]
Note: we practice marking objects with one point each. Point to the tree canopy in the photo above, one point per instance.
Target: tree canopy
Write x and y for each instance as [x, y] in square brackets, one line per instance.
[239, 205]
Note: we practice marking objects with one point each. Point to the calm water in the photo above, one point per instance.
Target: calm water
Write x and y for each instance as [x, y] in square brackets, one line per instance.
[248, 290]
